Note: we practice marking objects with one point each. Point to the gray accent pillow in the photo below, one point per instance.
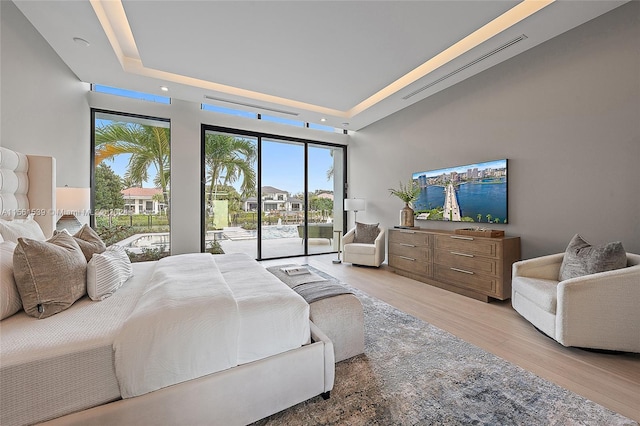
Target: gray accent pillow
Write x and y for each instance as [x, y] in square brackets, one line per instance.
[50, 275]
[365, 233]
[581, 258]
[89, 241]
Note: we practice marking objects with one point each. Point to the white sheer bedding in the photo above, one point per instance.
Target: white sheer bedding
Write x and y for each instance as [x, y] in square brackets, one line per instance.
[269, 319]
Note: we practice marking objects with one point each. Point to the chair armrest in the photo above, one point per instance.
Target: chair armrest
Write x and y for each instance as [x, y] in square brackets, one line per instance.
[545, 267]
[600, 310]
[349, 236]
[379, 241]
[380, 246]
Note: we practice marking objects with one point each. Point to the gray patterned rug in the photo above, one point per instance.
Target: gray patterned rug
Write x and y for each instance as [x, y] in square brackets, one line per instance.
[413, 373]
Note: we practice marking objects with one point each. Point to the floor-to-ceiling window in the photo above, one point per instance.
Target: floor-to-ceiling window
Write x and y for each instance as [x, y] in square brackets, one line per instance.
[270, 196]
[131, 157]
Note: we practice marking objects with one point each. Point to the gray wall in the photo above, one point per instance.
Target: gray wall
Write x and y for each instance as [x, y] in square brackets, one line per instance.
[567, 116]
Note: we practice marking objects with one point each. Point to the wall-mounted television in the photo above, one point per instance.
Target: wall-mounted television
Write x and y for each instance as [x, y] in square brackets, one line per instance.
[470, 193]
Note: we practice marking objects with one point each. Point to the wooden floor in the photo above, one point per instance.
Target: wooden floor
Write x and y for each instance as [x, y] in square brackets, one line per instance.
[611, 380]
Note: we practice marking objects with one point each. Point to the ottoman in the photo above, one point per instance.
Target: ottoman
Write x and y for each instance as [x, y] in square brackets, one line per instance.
[342, 320]
[332, 307]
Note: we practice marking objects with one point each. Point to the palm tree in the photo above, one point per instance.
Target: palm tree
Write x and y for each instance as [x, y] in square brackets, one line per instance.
[229, 159]
[149, 146]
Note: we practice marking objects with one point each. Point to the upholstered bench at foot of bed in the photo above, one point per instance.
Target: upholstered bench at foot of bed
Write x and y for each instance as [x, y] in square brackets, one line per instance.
[342, 320]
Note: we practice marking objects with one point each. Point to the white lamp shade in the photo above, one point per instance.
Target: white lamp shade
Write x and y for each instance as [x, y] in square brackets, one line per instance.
[74, 201]
[354, 204]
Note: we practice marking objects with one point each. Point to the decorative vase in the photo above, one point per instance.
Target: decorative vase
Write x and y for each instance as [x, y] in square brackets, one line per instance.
[406, 216]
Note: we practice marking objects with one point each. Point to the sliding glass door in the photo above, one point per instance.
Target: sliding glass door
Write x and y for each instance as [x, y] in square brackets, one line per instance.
[286, 192]
[230, 206]
[283, 198]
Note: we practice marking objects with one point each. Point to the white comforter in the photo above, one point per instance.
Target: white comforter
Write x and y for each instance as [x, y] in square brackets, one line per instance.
[193, 321]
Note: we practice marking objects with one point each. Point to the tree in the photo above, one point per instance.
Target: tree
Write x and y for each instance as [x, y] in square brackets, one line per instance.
[149, 146]
[108, 186]
[229, 159]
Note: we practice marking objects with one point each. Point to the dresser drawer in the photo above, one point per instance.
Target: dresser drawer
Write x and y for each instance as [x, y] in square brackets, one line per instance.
[410, 265]
[409, 237]
[468, 262]
[419, 253]
[485, 284]
[469, 245]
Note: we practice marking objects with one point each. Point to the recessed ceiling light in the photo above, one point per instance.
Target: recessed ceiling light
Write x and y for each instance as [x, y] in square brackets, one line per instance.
[81, 41]
[323, 119]
[345, 124]
[164, 88]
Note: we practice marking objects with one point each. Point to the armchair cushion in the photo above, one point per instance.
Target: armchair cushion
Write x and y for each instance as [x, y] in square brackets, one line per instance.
[581, 258]
[543, 292]
[366, 233]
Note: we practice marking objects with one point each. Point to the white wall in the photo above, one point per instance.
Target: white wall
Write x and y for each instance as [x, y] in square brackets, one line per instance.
[43, 105]
[567, 116]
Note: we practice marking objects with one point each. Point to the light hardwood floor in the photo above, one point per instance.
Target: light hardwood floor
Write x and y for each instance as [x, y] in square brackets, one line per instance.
[611, 380]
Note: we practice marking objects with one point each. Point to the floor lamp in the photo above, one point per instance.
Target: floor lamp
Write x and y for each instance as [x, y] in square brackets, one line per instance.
[354, 205]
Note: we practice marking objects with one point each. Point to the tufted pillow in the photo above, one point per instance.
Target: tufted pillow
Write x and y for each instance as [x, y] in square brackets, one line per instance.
[89, 241]
[50, 275]
[365, 233]
[11, 230]
[107, 271]
[9, 297]
[581, 258]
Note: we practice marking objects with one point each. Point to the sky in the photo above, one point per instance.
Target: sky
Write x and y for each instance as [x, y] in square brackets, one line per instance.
[283, 163]
[496, 164]
[283, 168]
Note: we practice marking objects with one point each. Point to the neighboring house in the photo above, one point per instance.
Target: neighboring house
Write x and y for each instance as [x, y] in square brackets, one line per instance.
[143, 200]
[326, 194]
[274, 199]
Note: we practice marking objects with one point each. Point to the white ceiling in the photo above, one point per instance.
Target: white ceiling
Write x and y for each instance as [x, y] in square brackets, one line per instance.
[316, 59]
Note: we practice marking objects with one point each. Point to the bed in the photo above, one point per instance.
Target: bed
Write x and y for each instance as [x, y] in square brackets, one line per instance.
[190, 339]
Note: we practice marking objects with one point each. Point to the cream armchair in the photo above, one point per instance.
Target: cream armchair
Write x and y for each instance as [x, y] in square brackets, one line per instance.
[363, 254]
[600, 311]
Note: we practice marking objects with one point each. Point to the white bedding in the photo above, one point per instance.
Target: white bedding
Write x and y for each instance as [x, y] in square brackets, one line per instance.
[194, 320]
[184, 326]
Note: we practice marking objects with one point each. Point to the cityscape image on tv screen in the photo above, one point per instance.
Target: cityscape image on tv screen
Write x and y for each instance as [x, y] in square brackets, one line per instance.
[469, 193]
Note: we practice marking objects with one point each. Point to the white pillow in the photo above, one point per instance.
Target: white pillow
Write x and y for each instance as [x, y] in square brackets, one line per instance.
[107, 271]
[11, 230]
[10, 301]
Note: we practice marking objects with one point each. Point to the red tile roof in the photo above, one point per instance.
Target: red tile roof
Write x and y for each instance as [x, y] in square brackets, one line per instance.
[141, 192]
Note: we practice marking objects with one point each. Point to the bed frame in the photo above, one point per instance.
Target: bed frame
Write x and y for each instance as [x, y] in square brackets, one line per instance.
[237, 396]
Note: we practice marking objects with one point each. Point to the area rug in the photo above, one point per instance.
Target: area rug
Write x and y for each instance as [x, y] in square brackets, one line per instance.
[413, 373]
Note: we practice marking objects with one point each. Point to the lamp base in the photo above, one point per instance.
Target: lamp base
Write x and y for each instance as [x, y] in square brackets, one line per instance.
[336, 261]
[68, 222]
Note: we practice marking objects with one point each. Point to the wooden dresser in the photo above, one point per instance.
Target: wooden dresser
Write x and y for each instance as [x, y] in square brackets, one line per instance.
[478, 267]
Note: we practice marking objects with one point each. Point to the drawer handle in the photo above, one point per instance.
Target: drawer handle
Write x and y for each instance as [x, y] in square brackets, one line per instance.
[408, 232]
[461, 270]
[407, 258]
[458, 237]
[407, 245]
[461, 254]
